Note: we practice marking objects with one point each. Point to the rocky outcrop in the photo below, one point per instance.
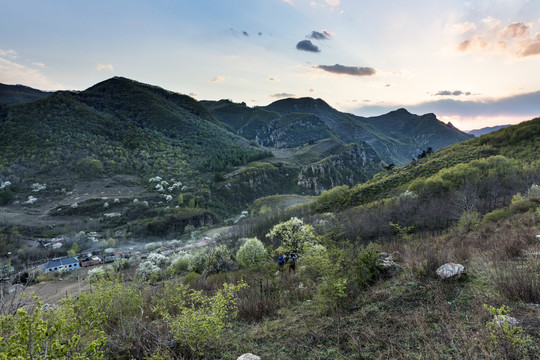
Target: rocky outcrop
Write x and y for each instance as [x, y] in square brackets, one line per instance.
[356, 163]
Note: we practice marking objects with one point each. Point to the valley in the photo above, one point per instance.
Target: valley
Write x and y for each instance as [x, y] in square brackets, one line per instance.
[183, 208]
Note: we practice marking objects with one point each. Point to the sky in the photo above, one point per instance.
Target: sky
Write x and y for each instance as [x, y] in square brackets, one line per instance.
[474, 63]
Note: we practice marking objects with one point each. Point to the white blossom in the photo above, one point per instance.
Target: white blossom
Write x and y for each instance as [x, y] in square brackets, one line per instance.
[38, 187]
[31, 200]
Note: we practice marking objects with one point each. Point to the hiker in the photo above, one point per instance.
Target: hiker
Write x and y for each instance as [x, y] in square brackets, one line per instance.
[281, 261]
[292, 264]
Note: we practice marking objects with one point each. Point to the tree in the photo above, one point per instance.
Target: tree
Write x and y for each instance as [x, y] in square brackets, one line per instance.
[292, 235]
[251, 253]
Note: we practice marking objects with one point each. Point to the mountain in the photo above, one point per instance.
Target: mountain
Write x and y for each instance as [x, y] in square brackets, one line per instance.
[397, 136]
[16, 94]
[486, 130]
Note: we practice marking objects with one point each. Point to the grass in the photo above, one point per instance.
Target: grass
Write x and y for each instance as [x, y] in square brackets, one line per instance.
[414, 315]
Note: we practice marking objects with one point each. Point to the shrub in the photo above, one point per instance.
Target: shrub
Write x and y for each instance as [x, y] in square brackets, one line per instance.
[502, 332]
[149, 271]
[251, 254]
[497, 215]
[468, 221]
[191, 278]
[179, 263]
[121, 264]
[197, 263]
[159, 260]
[196, 320]
[97, 273]
[218, 260]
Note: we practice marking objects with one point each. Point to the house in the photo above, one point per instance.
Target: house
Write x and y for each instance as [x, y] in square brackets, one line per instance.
[90, 261]
[65, 264]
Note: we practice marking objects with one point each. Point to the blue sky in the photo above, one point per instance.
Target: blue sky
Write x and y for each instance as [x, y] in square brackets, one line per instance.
[474, 63]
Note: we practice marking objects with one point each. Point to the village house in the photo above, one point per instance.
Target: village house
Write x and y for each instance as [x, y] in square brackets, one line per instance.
[65, 264]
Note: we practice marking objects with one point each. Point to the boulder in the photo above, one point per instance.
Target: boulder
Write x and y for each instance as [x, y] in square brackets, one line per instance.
[501, 320]
[450, 270]
[248, 356]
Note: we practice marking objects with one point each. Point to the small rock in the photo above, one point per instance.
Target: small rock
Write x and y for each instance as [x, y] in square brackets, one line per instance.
[450, 270]
[248, 356]
[500, 320]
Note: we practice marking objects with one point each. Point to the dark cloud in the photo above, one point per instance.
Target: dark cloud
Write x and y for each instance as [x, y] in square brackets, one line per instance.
[316, 35]
[347, 70]
[524, 105]
[282, 95]
[306, 45]
[259, 33]
[454, 93]
[245, 33]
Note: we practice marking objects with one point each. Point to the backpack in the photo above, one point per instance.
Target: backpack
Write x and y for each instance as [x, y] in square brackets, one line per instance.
[280, 260]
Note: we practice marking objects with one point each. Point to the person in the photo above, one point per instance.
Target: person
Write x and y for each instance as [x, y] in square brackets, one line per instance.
[292, 264]
[281, 261]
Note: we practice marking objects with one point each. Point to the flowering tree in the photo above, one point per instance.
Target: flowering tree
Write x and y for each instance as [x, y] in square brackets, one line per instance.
[251, 253]
[292, 235]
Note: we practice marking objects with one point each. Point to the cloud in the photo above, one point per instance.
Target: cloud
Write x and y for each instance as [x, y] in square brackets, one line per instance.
[453, 93]
[306, 45]
[491, 36]
[348, 70]
[518, 107]
[282, 95]
[332, 2]
[531, 47]
[10, 53]
[271, 78]
[245, 33]
[516, 30]
[320, 35]
[15, 73]
[460, 28]
[217, 79]
[101, 67]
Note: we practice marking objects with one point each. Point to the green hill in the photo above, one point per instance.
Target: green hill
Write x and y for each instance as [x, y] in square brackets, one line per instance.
[16, 94]
[397, 136]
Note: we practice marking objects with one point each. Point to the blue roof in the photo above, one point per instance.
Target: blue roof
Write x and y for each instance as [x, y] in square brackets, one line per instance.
[60, 262]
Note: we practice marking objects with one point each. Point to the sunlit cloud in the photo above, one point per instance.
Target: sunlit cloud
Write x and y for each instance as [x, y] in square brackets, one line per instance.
[106, 67]
[491, 36]
[347, 70]
[217, 79]
[271, 78]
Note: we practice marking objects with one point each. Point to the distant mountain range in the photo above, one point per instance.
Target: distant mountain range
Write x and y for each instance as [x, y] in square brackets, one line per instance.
[226, 154]
[486, 130]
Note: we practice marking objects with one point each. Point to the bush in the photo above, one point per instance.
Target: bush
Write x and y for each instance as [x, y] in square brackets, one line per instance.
[121, 264]
[197, 263]
[191, 278]
[149, 271]
[251, 254]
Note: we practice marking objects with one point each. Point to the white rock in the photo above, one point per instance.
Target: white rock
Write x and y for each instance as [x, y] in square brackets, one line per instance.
[500, 320]
[248, 356]
[449, 270]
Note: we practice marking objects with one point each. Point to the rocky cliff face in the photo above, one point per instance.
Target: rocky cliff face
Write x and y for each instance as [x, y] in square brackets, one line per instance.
[357, 163]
